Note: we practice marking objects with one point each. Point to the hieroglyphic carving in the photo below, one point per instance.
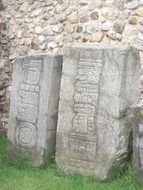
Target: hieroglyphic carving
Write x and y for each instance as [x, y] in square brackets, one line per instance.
[82, 151]
[27, 111]
[26, 135]
[83, 131]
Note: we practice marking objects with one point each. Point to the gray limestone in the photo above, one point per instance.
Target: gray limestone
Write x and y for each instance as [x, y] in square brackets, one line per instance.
[132, 4]
[34, 108]
[99, 85]
[119, 3]
[138, 141]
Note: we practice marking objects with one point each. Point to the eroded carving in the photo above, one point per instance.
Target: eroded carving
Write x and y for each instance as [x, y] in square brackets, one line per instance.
[83, 124]
[82, 151]
[28, 92]
[25, 135]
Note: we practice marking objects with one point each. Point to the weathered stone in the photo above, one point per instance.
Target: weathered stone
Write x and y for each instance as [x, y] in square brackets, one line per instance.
[76, 35]
[97, 37]
[60, 1]
[106, 26]
[36, 12]
[141, 21]
[139, 11]
[99, 85]
[125, 14]
[110, 13]
[41, 39]
[94, 15]
[43, 46]
[46, 17]
[19, 34]
[133, 20]
[34, 107]
[83, 3]
[34, 46]
[73, 18]
[132, 4]
[2, 92]
[138, 142]
[52, 45]
[140, 34]
[93, 27]
[24, 7]
[69, 28]
[119, 26]
[119, 3]
[129, 32]
[62, 17]
[59, 39]
[58, 28]
[83, 15]
[38, 30]
[141, 2]
[68, 38]
[47, 31]
[113, 35]
[94, 4]
[79, 28]
[53, 21]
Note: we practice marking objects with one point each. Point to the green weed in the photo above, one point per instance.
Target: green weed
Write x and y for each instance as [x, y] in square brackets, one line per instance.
[50, 178]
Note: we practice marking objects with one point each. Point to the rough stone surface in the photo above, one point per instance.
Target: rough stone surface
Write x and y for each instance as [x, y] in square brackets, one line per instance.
[138, 142]
[34, 107]
[5, 73]
[26, 21]
[99, 85]
[132, 4]
[138, 132]
[137, 40]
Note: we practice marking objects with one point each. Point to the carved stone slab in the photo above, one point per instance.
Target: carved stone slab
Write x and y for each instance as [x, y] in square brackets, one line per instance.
[99, 85]
[34, 108]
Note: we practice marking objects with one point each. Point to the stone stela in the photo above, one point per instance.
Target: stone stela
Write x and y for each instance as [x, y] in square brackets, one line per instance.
[34, 108]
[98, 87]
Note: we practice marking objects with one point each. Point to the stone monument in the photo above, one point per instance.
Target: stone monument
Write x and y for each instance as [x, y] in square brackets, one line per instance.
[34, 108]
[99, 85]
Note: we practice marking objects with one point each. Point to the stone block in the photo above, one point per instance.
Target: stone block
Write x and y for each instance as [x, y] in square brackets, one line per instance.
[99, 85]
[34, 108]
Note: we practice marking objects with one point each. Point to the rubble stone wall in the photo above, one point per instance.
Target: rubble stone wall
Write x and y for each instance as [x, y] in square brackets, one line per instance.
[5, 71]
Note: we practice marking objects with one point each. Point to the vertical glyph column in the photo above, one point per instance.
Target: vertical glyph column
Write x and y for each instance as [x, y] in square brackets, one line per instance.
[34, 108]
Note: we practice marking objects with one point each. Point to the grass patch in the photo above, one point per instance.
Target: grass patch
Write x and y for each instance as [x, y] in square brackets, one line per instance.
[25, 178]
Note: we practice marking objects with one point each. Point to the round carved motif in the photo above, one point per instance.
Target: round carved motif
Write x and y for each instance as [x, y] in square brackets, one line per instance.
[25, 135]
